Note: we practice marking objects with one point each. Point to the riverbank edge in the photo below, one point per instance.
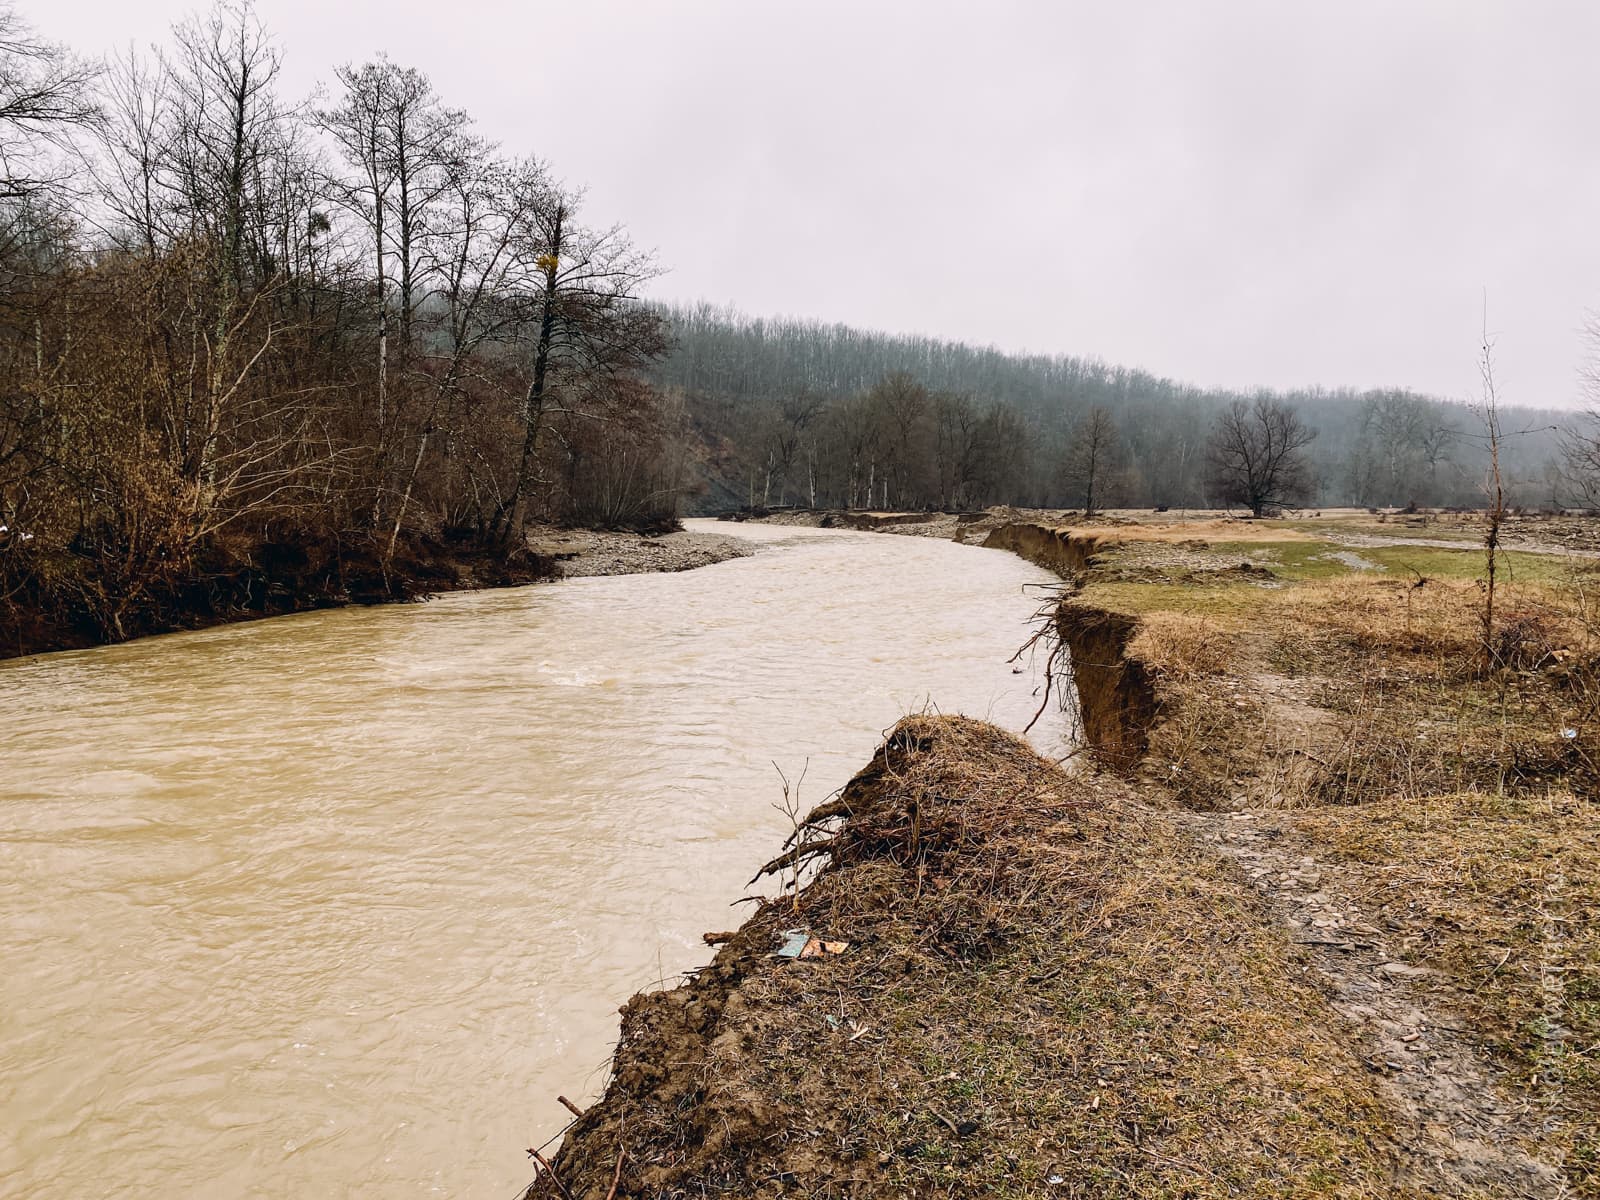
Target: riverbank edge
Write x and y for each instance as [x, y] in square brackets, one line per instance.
[1018, 990]
[669, 1034]
[294, 581]
[1440, 1122]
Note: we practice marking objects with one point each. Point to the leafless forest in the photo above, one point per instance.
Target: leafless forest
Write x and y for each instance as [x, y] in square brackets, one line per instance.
[261, 353]
[804, 412]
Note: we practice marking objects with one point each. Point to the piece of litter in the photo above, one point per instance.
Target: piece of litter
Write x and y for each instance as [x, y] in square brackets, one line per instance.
[817, 947]
[802, 943]
[793, 944]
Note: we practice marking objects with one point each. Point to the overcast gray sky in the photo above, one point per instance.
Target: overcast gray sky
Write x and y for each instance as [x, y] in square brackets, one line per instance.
[1228, 193]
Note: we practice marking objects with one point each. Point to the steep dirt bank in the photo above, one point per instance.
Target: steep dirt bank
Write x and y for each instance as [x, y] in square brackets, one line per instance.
[967, 527]
[1065, 551]
[1117, 702]
[1044, 989]
[248, 582]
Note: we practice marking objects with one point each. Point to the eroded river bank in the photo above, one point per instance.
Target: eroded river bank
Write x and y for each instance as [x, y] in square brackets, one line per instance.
[1248, 951]
[337, 903]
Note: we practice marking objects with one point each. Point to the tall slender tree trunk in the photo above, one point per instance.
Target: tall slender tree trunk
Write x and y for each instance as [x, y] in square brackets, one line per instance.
[381, 450]
[512, 511]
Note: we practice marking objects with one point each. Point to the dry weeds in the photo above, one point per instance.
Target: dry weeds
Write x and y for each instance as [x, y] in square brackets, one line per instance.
[1497, 893]
[1050, 991]
[1448, 789]
[1182, 646]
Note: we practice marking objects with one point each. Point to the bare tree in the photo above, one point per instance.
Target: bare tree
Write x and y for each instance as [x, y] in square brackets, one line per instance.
[854, 436]
[1256, 454]
[786, 426]
[1003, 440]
[901, 405]
[1580, 441]
[584, 326]
[801, 412]
[490, 211]
[44, 95]
[1494, 490]
[1092, 457]
[955, 450]
[225, 117]
[1403, 439]
[401, 144]
[130, 170]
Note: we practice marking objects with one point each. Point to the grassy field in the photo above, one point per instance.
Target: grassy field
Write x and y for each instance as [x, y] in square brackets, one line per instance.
[1441, 777]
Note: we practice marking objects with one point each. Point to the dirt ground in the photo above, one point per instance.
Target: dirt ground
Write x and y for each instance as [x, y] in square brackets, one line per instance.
[1039, 986]
[1530, 532]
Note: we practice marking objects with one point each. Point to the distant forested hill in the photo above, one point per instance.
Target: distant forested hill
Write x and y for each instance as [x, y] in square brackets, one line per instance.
[793, 411]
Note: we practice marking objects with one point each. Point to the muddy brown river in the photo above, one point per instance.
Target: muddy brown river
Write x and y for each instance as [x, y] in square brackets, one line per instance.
[336, 904]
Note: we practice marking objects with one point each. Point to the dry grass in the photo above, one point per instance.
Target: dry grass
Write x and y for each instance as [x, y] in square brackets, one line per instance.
[1499, 893]
[1327, 685]
[1222, 528]
[1448, 785]
[1434, 618]
[1050, 991]
[1183, 646]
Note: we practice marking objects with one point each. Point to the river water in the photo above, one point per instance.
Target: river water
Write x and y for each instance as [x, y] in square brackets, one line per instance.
[336, 904]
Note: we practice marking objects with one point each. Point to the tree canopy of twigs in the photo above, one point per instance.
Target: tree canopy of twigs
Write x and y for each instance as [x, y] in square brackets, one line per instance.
[1257, 454]
[234, 322]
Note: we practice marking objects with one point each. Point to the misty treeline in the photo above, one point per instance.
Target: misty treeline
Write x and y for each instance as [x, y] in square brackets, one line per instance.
[258, 346]
[798, 412]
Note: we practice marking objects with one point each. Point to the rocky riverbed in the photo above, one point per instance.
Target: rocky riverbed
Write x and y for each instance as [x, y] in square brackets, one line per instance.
[584, 552]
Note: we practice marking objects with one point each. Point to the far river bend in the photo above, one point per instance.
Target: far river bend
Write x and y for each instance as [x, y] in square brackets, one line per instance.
[336, 904]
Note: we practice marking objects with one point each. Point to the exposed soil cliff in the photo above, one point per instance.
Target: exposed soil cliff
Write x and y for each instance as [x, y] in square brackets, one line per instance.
[251, 580]
[272, 579]
[1067, 552]
[1116, 695]
[1117, 702]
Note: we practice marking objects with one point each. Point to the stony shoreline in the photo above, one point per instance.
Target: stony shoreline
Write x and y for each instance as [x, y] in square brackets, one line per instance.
[581, 553]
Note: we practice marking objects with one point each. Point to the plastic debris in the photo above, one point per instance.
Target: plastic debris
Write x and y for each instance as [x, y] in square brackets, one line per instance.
[802, 943]
[793, 943]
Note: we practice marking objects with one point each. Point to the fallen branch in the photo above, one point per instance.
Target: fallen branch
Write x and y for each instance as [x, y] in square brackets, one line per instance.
[544, 1163]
